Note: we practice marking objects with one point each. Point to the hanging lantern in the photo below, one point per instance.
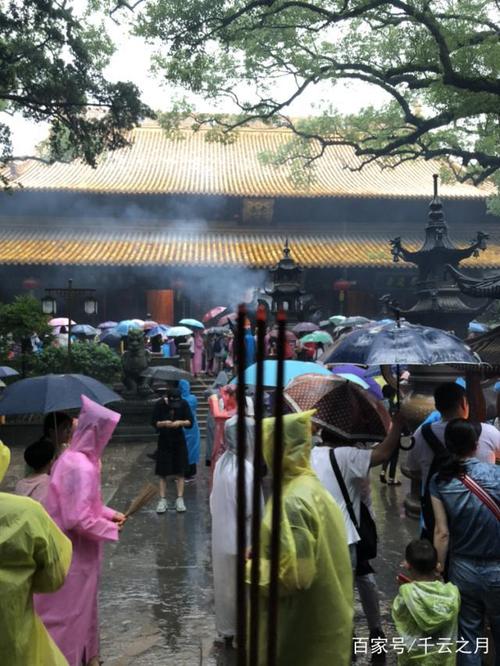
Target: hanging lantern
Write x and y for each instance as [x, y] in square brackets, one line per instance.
[90, 306]
[49, 305]
[30, 283]
[343, 285]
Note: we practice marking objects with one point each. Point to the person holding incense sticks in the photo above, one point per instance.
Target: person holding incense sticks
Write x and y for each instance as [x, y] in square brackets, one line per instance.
[74, 502]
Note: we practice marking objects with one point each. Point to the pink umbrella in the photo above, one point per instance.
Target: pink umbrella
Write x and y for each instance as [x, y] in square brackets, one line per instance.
[150, 324]
[213, 313]
[61, 321]
[227, 318]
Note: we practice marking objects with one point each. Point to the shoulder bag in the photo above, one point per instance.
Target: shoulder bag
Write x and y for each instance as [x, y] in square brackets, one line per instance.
[366, 528]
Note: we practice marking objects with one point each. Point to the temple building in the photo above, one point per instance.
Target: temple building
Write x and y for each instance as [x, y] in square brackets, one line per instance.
[171, 227]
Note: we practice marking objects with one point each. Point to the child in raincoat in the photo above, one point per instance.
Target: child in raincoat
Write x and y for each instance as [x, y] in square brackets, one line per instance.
[224, 526]
[425, 611]
[34, 557]
[74, 502]
[315, 613]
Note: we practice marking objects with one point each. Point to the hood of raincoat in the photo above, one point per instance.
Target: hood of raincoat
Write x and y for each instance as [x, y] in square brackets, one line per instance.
[231, 436]
[297, 443]
[431, 604]
[4, 460]
[95, 427]
[221, 380]
[185, 388]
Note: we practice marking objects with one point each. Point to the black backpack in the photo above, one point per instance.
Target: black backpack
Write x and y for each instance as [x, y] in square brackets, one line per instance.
[441, 455]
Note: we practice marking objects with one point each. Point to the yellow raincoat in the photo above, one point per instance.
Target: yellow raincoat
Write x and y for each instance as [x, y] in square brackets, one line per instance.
[34, 557]
[315, 611]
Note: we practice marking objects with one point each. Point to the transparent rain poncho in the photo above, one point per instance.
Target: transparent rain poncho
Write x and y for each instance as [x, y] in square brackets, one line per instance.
[224, 525]
[427, 610]
[34, 557]
[315, 613]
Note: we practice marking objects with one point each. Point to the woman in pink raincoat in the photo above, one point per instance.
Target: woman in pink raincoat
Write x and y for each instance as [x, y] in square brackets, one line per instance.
[197, 360]
[74, 502]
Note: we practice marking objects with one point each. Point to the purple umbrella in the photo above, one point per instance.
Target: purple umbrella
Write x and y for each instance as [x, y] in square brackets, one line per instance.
[305, 327]
[108, 324]
[373, 387]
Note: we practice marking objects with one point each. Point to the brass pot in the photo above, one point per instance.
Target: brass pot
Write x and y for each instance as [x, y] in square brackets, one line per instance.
[417, 396]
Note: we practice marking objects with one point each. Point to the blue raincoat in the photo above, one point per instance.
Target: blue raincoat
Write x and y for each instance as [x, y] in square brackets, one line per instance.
[192, 434]
[249, 348]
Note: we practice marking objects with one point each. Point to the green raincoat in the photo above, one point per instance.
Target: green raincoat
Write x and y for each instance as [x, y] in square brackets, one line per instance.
[427, 610]
[34, 557]
[315, 611]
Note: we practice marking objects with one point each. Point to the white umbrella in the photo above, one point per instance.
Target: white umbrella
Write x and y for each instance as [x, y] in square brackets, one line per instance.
[179, 332]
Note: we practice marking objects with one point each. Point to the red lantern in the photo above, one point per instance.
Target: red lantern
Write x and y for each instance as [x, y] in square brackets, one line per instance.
[30, 283]
[343, 285]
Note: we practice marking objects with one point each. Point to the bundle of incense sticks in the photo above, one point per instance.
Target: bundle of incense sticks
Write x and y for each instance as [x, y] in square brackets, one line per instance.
[250, 648]
[148, 492]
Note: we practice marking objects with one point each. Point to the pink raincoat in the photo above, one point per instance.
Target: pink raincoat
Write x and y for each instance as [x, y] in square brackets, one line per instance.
[197, 360]
[74, 502]
[220, 415]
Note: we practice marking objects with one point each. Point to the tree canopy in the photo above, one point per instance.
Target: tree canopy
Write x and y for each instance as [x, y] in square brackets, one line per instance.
[22, 318]
[51, 69]
[437, 62]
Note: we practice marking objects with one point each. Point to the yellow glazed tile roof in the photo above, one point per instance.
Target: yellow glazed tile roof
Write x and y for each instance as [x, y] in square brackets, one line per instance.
[25, 245]
[154, 164]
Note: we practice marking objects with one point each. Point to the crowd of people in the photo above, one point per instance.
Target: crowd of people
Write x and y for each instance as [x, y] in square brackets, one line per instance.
[53, 529]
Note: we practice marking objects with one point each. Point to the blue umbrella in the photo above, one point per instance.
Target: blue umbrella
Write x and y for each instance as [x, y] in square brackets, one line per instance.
[125, 325]
[110, 337]
[192, 323]
[53, 393]
[292, 369]
[5, 371]
[107, 324]
[161, 329]
[346, 370]
[400, 344]
[84, 329]
[477, 327]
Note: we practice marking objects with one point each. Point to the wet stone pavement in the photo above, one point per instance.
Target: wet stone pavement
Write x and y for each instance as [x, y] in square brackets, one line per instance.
[156, 599]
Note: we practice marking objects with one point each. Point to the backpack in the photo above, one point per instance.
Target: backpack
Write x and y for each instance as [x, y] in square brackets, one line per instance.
[441, 455]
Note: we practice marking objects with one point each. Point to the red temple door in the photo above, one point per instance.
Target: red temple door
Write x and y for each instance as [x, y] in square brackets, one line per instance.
[160, 304]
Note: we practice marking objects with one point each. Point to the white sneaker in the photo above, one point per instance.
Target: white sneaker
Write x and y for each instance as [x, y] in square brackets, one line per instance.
[179, 505]
[161, 507]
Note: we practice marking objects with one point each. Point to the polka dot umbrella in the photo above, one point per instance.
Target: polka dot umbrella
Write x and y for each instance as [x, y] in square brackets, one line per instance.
[341, 407]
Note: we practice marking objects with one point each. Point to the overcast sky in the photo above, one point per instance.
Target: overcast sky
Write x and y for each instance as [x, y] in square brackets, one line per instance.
[131, 62]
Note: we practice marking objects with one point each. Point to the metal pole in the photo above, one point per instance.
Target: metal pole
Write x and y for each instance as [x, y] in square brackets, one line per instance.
[256, 503]
[69, 304]
[241, 491]
[272, 636]
[398, 372]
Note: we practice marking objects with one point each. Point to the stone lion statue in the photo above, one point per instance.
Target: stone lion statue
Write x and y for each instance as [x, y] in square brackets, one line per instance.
[134, 361]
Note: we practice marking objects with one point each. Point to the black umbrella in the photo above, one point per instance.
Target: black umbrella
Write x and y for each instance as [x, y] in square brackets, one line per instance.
[167, 373]
[53, 393]
[111, 338]
[400, 343]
